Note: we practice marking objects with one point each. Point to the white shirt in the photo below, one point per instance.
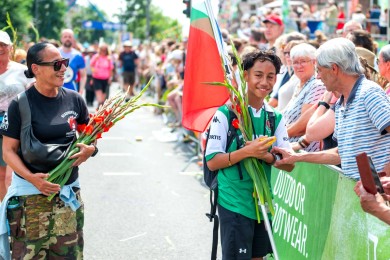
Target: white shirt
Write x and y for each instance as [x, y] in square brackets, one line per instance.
[12, 82]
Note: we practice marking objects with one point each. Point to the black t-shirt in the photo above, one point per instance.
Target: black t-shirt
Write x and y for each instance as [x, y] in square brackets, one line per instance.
[54, 119]
[128, 60]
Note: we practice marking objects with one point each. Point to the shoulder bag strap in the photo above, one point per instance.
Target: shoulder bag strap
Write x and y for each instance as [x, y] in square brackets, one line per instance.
[24, 109]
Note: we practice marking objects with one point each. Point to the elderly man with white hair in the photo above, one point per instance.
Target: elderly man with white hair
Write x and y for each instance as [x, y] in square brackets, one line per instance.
[362, 112]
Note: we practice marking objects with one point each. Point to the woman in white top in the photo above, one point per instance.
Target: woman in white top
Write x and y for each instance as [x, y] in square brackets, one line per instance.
[307, 93]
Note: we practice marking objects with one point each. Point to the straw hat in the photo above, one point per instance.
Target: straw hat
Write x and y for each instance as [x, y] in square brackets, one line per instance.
[367, 55]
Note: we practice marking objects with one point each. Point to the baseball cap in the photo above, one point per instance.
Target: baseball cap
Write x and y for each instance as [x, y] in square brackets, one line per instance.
[4, 38]
[273, 18]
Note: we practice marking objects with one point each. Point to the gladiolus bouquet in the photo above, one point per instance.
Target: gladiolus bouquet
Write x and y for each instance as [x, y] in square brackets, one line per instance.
[106, 116]
[239, 105]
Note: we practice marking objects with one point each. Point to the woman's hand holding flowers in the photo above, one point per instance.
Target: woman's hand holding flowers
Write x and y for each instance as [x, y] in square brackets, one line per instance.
[39, 181]
[85, 152]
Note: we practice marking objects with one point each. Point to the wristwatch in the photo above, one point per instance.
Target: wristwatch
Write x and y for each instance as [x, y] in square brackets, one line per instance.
[276, 157]
[96, 150]
[323, 103]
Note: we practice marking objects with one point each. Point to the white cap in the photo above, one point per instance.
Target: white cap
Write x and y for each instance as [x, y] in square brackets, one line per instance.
[176, 55]
[4, 38]
[127, 44]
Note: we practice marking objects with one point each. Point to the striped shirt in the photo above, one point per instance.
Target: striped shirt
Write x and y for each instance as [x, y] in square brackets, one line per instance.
[360, 126]
[311, 93]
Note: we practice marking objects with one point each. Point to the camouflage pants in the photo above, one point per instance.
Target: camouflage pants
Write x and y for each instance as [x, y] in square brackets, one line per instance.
[42, 229]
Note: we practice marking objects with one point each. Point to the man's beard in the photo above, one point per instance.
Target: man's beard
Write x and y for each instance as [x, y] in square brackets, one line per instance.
[67, 44]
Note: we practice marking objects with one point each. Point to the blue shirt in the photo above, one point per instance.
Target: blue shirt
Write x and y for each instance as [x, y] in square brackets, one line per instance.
[76, 63]
[360, 126]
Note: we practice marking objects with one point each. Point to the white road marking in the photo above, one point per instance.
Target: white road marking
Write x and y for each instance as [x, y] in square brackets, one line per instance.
[175, 193]
[190, 173]
[170, 242]
[122, 173]
[139, 235]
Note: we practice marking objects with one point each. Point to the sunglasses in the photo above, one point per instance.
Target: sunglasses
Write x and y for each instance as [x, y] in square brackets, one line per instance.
[57, 65]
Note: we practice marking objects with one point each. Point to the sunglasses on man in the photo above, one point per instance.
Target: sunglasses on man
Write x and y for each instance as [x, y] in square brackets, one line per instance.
[57, 65]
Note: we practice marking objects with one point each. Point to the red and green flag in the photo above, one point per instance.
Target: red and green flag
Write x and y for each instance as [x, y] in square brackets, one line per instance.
[203, 64]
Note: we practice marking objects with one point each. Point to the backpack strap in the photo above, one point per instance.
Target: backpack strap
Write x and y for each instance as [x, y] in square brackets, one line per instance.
[232, 134]
[211, 216]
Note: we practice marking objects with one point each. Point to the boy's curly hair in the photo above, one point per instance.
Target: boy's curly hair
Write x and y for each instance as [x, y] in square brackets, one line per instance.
[250, 58]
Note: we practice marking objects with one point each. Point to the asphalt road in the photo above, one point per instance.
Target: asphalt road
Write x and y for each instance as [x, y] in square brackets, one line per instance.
[138, 202]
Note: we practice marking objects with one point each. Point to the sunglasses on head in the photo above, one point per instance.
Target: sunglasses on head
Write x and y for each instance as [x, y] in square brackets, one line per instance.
[57, 65]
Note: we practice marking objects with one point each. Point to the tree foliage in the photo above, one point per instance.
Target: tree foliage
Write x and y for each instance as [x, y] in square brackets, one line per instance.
[49, 17]
[134, 16]
[19, 12]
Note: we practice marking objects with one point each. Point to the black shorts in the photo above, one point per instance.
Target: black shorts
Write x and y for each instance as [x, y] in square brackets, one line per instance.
[128, 77]
[100, 84]
[242, 237]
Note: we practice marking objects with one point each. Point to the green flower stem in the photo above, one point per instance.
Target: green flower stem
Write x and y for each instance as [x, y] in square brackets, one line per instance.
[66, 163]
[53, 175]
[260, 184]
[62, 183]
[256, 205]
[135, 108]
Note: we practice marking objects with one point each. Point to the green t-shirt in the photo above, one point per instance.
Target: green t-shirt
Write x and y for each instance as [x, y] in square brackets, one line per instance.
[235, 194]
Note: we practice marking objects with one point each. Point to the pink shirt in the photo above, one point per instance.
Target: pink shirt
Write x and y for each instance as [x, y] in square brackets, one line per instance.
[101, 66]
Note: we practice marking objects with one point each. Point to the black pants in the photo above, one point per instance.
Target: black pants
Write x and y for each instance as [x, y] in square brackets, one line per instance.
[89, 91]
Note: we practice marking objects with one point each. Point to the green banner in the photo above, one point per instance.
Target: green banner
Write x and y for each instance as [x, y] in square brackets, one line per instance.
[318, 216]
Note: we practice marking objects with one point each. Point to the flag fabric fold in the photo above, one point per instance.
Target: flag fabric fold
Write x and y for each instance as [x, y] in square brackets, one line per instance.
[203, 64]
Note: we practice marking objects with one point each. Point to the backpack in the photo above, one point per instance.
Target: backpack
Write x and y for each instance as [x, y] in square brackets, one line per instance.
[210, 177]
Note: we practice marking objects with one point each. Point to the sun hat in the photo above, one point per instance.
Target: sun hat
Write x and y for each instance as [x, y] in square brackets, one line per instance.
[367, 55]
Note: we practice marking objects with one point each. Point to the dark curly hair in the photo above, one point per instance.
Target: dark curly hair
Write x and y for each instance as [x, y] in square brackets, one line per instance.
[250, 58]
[362, 38]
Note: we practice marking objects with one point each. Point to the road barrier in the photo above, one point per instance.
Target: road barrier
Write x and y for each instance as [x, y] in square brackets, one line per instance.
[318, 216]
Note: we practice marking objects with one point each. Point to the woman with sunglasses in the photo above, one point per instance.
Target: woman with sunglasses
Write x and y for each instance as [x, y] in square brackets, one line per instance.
[12, 82]
[40, 228]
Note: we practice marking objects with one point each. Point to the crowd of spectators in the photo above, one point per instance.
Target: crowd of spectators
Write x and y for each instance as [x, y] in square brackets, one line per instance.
[309, 109]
